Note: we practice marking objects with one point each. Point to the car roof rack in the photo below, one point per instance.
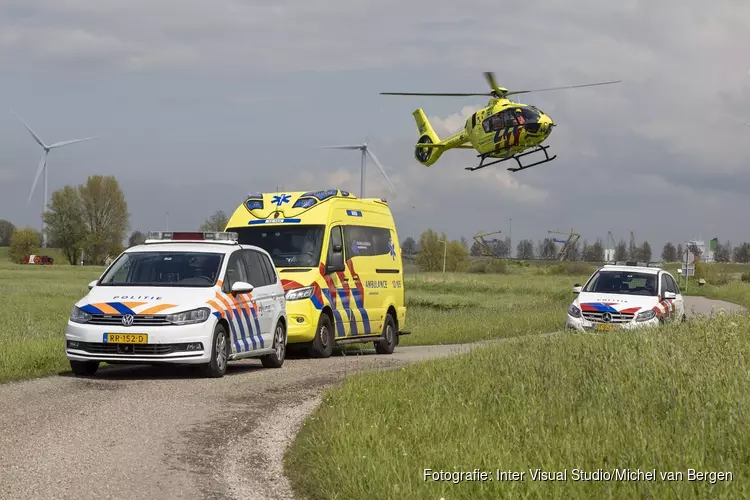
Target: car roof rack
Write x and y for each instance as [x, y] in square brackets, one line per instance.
[225, 237]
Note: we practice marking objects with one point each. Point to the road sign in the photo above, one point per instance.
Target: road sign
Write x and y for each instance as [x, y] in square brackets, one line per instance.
[688, 270]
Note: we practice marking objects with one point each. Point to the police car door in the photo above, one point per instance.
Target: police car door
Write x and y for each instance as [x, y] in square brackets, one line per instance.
[243, 330]
[276, 291]
[671, 305]
[679, 301]
[262, 294]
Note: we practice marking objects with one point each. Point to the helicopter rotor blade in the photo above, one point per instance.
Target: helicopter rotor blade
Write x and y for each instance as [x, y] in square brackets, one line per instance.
[490, 76]
[485, 94]
[514, 92]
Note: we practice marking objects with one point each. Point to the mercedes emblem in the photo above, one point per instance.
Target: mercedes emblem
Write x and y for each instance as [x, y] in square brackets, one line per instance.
[606, 317]
[127, 319]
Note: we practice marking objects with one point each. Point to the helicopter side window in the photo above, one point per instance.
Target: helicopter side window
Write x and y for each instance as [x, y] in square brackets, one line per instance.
[530, 115]
[508, 117]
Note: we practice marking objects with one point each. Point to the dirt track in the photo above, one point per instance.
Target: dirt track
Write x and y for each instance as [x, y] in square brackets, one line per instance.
[142, 432]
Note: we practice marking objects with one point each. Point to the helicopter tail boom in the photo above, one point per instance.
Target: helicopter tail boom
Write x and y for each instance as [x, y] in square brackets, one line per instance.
[427, 155]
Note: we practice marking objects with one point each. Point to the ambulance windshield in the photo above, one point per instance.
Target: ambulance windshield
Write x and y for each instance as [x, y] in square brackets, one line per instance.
[289, 246]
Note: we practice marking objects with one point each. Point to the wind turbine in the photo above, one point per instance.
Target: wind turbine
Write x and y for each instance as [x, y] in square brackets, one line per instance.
[43, 166]
[365, 152]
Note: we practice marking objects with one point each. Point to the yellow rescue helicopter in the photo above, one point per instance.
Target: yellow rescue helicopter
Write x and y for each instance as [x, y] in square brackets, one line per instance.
[503, 129]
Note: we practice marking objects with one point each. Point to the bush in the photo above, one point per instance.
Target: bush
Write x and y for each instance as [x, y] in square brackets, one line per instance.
[571, 268]
[25, 241]
[492, 266]
[745, 277]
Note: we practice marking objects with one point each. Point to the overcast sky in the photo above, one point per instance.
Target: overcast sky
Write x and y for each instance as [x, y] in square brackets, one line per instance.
[197, 103]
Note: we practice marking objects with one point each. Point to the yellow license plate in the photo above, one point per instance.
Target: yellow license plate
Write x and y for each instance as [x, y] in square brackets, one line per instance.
[126, 338]
[604, 327]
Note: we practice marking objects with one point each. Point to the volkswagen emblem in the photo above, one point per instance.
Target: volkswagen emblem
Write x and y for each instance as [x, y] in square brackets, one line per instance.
[127, 319]
[606, 317]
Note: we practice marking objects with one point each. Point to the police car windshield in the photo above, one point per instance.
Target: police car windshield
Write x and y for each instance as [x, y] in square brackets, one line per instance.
[622, 282]
[289, 246]
[176, 269]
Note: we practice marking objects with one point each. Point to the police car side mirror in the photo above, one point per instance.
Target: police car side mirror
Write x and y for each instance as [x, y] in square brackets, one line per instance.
[242, 287]
[670, 295]
[576, 288]
[92, 284]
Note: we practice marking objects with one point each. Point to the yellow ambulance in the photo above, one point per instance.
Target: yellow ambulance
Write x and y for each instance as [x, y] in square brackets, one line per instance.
[340, 264]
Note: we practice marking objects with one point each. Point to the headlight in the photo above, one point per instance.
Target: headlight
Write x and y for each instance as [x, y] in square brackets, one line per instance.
[574, 311]
[646, 315]
[79, 316]
[299, 293]
[190, 317]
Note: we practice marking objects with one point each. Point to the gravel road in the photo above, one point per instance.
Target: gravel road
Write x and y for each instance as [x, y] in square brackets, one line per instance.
[145, 432]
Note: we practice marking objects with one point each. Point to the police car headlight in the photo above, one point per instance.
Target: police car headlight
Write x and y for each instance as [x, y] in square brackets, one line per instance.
[190, 317]
[77, 315]
[646, 315]
[299, 293]
[574, 311]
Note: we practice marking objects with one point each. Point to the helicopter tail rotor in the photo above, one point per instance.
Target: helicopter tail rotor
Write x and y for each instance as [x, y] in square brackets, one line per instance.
[426, 155]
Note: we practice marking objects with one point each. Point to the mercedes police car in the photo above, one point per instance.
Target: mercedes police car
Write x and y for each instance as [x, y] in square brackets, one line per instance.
[189, 298]
[626, 295]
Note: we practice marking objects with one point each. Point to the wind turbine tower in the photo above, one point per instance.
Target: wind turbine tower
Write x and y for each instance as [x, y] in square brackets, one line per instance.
[43, 167]
[365, 153]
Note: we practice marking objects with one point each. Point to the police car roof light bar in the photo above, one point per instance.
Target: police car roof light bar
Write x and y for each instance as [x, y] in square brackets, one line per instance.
[193, 236]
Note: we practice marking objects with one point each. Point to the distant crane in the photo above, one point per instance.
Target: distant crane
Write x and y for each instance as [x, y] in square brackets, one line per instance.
[567, 243]
[484, 245]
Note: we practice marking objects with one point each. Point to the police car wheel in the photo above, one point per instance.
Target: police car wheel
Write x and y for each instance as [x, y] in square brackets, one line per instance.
[217, 367]
[322, 344]
[84, 368]
[276, 359]
[390, 337]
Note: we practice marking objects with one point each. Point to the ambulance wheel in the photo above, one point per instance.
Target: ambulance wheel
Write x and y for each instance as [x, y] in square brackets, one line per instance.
[84, 368]
[390, 337]
[322, 344]
[217, 367]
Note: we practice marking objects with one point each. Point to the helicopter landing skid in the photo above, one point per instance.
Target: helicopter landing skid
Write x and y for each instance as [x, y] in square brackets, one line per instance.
[515, 157]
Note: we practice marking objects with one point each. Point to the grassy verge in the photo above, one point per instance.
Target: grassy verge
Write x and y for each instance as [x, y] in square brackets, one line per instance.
[36, 304]
[669, 400]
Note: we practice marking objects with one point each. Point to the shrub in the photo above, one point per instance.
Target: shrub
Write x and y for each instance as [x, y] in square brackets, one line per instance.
[25, 241]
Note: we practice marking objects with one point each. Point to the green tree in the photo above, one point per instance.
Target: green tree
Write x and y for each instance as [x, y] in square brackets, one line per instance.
[645, 251]
[432, 250]
[680, 255]
[217, 222]
[594, 252]
[6, 232]
[723, 252]
[136, 238]
[546, 249]
[409, 246]
[25, 241]
[621, 251]
[669, 253]
[105, 216]
[525, 250]
[64, 221]
[742, 253]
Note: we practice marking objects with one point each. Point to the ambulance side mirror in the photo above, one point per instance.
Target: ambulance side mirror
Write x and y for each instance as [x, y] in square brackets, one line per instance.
[336, 261]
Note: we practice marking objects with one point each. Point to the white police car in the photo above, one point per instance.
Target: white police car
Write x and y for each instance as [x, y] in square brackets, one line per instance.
[626, 295]
[188, 298]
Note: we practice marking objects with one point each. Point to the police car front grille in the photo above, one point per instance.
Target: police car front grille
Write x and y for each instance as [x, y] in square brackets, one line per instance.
[116, 319]
[598, 317]
[137, 349]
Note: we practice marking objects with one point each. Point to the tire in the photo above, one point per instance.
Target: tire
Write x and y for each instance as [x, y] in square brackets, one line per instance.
[84, 368]
[217, 367]
[390, 336]
[322, 344]
[276, 360]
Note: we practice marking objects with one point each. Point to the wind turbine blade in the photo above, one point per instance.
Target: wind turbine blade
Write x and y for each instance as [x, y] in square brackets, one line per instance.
[380, 167]
[352, 146]
[73, 141]
[39, 170]
[33, 134]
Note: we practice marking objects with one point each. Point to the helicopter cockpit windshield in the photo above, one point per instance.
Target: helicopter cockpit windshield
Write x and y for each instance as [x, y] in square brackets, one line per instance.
[511, 117]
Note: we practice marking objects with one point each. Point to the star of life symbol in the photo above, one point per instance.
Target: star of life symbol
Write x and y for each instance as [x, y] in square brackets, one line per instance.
[392, 249]
[278, 200]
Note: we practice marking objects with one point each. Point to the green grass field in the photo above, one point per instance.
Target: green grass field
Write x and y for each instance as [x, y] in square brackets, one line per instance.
[670, 400]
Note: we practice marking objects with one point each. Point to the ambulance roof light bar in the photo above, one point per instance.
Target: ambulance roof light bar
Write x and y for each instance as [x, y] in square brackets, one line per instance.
[230, 238]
